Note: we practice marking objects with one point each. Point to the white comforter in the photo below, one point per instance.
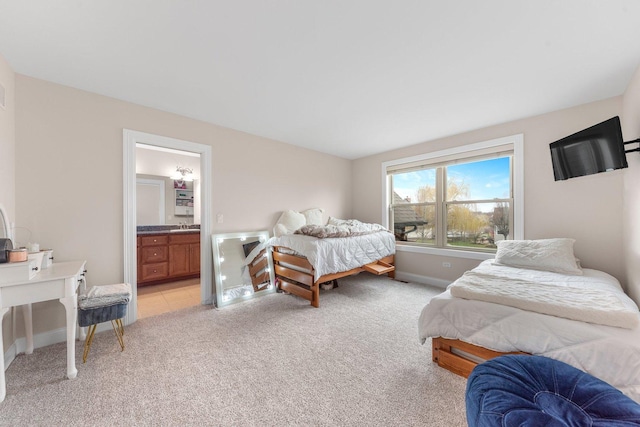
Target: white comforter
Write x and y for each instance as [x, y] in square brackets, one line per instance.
[609, 353]
[334, 255]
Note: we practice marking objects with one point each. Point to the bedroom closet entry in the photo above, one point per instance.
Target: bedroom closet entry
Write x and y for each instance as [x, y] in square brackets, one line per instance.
[163, 224]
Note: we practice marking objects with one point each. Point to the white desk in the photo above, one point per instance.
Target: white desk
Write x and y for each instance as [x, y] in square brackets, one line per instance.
[59, 281]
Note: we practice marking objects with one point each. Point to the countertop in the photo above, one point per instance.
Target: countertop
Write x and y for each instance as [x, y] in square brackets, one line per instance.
[165, 229]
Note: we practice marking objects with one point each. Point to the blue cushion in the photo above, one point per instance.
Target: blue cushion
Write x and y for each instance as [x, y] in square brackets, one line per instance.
[521, 390]
[92, 316]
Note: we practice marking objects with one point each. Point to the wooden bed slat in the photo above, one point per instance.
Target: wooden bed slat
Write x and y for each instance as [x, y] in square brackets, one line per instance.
[292, 259]
[296, 290]
[443, 353]
[295, 275]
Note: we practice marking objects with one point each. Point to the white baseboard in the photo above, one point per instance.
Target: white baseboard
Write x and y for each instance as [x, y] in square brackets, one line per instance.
[9, 355]
[44, 339]
[417, 278]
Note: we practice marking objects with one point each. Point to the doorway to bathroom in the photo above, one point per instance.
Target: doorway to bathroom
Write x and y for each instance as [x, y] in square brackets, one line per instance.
[167, 212]
[168, 229]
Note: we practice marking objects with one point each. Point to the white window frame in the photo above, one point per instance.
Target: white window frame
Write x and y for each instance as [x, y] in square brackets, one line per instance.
[500, 144]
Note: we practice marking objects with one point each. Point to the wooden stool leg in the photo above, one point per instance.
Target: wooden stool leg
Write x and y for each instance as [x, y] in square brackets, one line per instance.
[88, 341]
[119, 330]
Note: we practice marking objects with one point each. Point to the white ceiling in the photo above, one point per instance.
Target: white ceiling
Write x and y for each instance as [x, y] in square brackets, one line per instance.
[346, 77]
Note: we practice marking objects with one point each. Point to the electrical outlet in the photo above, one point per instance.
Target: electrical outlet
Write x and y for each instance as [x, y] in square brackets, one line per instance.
[219, 218]
[446, 264]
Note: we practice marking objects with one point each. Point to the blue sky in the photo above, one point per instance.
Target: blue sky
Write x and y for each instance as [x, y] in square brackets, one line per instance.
[487, 179]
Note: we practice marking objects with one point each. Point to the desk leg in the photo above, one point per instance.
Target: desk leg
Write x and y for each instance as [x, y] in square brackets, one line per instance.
[71, 307]
[28, 327]
[3, 386]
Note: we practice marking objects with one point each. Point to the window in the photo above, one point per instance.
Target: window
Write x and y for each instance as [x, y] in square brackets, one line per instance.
[460, 199]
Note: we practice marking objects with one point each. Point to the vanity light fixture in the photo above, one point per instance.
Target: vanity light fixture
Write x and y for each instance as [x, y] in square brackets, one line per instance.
[183, 174]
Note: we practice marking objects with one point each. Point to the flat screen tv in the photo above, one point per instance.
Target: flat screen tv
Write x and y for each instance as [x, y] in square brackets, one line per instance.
[596, 149]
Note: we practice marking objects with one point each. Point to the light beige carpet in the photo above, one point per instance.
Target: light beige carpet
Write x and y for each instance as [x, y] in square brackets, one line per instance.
[271, 361]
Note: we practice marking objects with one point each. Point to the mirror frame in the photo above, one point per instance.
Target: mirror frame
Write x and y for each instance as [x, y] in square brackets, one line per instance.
[5, 224]
[218, 294]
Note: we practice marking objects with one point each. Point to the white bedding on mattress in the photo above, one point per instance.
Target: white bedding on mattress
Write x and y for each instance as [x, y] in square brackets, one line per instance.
[593, 301]
[609, 353]
[334, 255]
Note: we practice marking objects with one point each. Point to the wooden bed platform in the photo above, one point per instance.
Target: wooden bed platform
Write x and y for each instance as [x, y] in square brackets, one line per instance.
[461, 357]
[295, 274]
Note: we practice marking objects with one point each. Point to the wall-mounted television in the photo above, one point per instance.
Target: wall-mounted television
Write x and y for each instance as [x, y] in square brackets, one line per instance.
[596, 149]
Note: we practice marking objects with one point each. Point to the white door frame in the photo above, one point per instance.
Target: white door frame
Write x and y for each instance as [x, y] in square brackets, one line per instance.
[130, 139]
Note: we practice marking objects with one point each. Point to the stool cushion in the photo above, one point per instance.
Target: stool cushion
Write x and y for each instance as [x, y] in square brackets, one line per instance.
[92, 316]
[101, 296]
[521, 390]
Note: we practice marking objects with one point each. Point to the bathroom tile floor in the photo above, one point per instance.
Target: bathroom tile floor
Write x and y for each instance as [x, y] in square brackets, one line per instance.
[166, 297]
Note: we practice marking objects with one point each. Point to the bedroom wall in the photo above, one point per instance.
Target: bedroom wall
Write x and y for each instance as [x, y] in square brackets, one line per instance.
[631, 194]
[7, 168]
[588, 209]
[69, 177]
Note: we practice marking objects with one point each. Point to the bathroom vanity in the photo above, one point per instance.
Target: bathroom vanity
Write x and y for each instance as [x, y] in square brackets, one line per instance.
[169, 255]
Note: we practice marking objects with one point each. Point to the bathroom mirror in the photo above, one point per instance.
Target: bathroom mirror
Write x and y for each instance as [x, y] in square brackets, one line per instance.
[161, 200]
[243, 267]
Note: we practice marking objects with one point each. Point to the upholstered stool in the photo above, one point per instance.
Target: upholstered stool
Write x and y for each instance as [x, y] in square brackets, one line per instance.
[521, 390]
[101, 304]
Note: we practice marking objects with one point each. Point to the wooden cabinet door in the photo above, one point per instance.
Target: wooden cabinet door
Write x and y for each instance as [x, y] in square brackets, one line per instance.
[154, 271]
[194, 258]
[179, 260]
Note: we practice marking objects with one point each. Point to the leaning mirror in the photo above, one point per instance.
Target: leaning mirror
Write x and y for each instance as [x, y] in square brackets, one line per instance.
[243, 266]
[4, 224]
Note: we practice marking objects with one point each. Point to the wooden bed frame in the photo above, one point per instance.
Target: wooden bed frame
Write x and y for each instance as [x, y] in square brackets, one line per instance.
[461, 357]
[300, 282]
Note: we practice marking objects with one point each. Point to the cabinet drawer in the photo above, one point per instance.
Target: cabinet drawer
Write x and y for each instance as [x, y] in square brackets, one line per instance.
[155, 271]
[154, 240]
[179, 238]
[154, 254]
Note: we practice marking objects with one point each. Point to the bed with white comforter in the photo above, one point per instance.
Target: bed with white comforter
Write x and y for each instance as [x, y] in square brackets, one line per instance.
[556, 327]
[333, 255]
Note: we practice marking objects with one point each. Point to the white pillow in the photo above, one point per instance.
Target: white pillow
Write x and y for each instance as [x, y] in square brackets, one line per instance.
[313, 216]
[555, 255]
[288, 222]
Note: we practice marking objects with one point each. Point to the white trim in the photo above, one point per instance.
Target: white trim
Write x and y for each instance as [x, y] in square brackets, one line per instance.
[425, 280]
[453, 253]
[130, 139]
[10, 355]
[518, 188]
[166, 150]
[45, 339]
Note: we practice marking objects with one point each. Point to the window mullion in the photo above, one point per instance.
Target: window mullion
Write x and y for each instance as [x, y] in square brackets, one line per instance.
[440, 206]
